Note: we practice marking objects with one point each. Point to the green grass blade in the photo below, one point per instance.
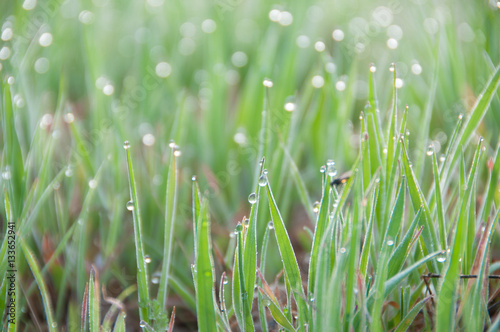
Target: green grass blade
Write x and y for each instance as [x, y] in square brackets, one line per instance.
[418, 201]
[321, 224]
[492, 185]
[94, 302]
[399, 255]
[44, 292]
[392, 282]
[205, 273]
[263, 255]
[439, 203]
[446, 306]
[244, 295]
[479, 297]
[170, 207]
[120, 323]
[12, 157]
[250, 247]
[365, 252]
[142, 272]
[477, 113]
[408, 319]
[288, 257]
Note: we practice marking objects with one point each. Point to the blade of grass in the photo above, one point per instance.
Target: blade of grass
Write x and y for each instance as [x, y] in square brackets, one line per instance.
[142, 272]
[94, 302]
[439, 203]
[204, 273]
[44, 292]
[288, 257]
[477, 113]
[170, 207]
[408, 319]
[120, 323]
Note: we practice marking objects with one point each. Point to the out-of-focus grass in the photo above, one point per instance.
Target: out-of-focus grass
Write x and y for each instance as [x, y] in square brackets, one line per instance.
[81, 77]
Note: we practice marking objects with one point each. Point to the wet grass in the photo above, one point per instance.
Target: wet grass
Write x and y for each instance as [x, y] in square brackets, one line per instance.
[295, 166]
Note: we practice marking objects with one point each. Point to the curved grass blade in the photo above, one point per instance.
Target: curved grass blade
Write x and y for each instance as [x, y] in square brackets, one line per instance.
[399, 255]
[273, 305]
[492, 185]
[142, 272]
[408, 319]
[418, 201]
[120, 323]
[170, 206]
[44, 292]
[288, 257]
[478, 111]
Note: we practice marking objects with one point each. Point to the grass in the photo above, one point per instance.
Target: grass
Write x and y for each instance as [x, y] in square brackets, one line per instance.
[219, 214]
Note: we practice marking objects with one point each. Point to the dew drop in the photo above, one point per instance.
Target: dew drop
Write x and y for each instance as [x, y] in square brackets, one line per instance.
[316, 207]
[270, 225]
[239, 228]
[225, 281]
[69, 118]
[177, 152]
[430, 150]
[193, 178]
[266, 302]
[342, 250]
[171, 144]
[68, 172]
[252, 198]
[155, 279]
[390, 243]
[147, 259]
[265, 171]
[142, 323]
[262, 181]
[289, 107]
[267, 83]
[441, 259]
[373, 68]
[126, 145]
[6, 175]
[130, 206]
[330, 168]
[319, 46]
[54, 324]
[338, 35]
[442, 158]
[322, 169]
[93, 184]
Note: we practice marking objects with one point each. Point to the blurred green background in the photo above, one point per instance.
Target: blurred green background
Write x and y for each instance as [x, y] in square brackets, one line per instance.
[88, 75]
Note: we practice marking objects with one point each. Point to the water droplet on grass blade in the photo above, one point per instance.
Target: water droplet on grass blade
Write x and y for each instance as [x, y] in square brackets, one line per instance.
[142, 323]
[373, 68]
[270, 225]
[225, 281]
[147, 259]
[342, 250]
[126, 145]
[330, 168]
[322, 169]
[316, 207]
[130, 206]
[262, 181]
[252, 198]
[390, 243]
[430, 150]
[267, 83]
[239, 228]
